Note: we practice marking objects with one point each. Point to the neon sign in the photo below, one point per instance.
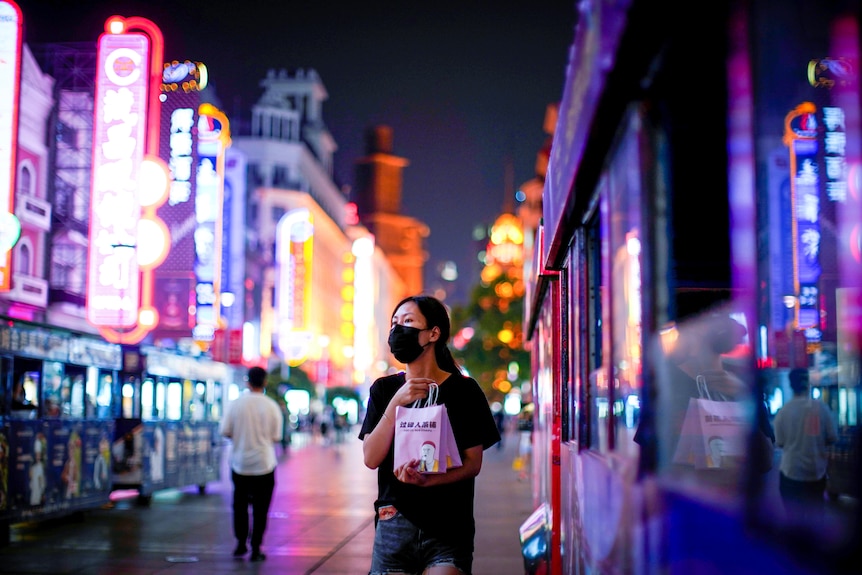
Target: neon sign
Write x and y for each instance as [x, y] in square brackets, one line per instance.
[213, 140]
[129, 182]
[11, 24]
[800, 135]
[835, 153]
[363, 306]
[294, 239]
[118, 150]
[174, 279]
[184, 76]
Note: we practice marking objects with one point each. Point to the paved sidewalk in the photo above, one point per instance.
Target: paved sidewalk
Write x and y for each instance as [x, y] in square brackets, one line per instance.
[321, 523]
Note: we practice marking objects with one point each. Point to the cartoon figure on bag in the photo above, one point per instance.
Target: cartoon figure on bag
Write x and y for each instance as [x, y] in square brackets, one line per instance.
[427, 462]
[696, 368]
[716, 451]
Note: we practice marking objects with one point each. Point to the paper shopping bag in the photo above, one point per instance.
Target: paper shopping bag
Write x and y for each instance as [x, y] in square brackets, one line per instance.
[713, 434]
[425, 434]
[418, 436]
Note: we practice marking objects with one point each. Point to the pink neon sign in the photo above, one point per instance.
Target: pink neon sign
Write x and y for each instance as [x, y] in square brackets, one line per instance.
[10, 72]
[119, 138]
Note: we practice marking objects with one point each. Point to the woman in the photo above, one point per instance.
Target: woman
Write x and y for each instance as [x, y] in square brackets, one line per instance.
[425, 523]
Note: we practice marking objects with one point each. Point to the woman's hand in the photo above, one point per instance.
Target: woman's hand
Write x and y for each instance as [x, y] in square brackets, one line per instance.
[376, 445]
[413, 389]
[409, 473]
[472, 464]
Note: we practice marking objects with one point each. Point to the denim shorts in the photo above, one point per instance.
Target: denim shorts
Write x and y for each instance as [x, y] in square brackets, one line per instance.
[401, 547]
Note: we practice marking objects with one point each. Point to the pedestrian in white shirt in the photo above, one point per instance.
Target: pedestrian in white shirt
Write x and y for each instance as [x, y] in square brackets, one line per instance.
[803, 429]
[253, 422]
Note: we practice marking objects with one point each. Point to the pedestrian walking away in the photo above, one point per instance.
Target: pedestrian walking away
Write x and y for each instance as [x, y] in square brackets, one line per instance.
[254, 424]
[804, 426]
[424, 522]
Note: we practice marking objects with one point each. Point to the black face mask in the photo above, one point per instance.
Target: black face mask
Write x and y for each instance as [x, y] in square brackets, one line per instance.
[404, 343]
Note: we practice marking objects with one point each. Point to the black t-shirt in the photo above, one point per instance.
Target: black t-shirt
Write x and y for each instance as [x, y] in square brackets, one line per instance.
[444, 511]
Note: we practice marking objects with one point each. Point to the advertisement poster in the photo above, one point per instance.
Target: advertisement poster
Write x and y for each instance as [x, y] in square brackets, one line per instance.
[29, 477]
[154, 457]
[175, 304]
[66, 461]
[4, 472]
[51, 467]
[172, 471]
[96, 460]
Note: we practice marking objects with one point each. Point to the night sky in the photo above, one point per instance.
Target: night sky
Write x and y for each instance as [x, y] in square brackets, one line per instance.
[464, 86]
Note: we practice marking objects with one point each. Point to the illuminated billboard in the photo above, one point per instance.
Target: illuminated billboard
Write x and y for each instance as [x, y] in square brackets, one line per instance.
[363, 306]
[293, 252]
[174, 280]
[801, 136]
[213, 138]
[129, 182]
[119, 136]
[11, 26]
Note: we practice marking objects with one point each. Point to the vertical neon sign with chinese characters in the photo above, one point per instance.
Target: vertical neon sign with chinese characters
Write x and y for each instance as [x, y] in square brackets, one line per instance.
[800, 136]
[118, 150]
[174, 280]
[213, 139]
[129, 182]
[11, 26]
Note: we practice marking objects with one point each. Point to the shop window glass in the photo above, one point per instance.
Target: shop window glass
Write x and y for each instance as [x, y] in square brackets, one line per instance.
[128, 398]
[161, 399]
[197, 408]
[25, 395]
[597, 391]
[91, 389]
[625, 235]
[55, 390]
[174, 399]
[214, 400]
[76, 395]
[805, 100]
[147, 399]
[104, 394]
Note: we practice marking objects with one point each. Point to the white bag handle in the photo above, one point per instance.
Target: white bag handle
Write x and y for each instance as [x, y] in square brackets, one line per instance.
[433, 392]
[702, 389]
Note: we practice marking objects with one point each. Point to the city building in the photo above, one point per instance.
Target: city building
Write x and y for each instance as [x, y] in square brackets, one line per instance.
[321, 283]
[279, 267]
[26, 297]
[377, 194]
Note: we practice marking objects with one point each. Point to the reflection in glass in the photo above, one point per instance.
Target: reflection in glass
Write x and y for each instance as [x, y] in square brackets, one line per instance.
[161, 400]
[76, 407]
[174, 407]
[147, 411]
